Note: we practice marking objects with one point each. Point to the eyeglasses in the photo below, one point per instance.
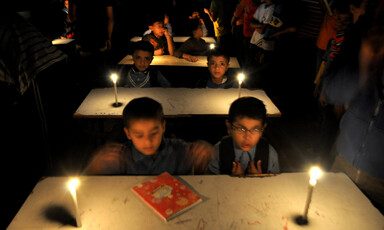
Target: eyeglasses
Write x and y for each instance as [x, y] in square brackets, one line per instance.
[243, 131]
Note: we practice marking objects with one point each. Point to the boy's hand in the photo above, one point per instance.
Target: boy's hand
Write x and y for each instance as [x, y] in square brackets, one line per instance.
[159, 52]
[166, 32]
[252, 169]
[106, 160]
[200, 153]
[190, 58]
[237, 170]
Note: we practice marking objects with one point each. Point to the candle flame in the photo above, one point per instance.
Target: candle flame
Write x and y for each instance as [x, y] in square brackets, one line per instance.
[72, 185]
[315, 174]
[114, 77]
[240, 77]
[212, 46]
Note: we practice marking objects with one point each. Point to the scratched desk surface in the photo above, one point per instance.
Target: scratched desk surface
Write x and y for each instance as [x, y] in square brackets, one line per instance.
[179, 39]
[167, 60]
[107, 202]
[175, 101]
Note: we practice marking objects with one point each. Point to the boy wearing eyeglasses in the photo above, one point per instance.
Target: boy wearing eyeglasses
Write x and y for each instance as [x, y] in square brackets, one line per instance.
[244, 151]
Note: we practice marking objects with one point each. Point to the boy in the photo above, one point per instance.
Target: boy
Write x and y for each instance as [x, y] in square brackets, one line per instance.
[195, 45]
[147, 152]
[244, 150]
[196, 15]
[159, 37]
[218, 64]
[141, 75]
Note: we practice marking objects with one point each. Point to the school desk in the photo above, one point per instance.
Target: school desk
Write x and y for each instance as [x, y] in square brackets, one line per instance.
[274, 202]
[175, 101]
[179, 39]
[168, 60]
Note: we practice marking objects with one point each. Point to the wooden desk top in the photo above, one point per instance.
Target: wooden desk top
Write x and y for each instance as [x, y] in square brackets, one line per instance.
[107, 202]
[167, 60]
[178, 39]
[175, 101]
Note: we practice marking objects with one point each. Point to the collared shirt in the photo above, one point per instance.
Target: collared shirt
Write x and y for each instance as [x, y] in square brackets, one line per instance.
[138, 79]
[273, 162]
[171, 158]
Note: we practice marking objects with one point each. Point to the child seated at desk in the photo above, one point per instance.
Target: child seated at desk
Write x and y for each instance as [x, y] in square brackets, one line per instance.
[218, 64]
[196, 15]
[147, 151]
[244, 150]
[141, 75]
[159, 37]
[195, 45]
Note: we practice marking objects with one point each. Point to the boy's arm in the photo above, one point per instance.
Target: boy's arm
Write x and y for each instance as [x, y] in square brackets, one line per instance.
[108, 160]
[182, 52]
[171, 47]
[214, 166]
[199, 154]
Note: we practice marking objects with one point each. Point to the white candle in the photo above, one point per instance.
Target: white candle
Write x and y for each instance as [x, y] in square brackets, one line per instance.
[240, 77]
[315, 174]
[114, 80]
[72, 185]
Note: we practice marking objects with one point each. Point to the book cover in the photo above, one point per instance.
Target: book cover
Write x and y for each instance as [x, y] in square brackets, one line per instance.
[166, 195]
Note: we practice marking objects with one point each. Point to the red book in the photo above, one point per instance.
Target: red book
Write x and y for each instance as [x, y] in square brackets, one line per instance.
[167, 196]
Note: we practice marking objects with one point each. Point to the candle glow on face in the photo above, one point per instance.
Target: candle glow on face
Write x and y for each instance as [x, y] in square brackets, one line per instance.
[212, 46]
[114, 77]
[315, 174]
[240, 77]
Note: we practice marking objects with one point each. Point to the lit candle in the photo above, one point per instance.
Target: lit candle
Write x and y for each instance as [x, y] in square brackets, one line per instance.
[114, 79]
[72, 185]
[240, 77]
[212, 46]
[315, 174]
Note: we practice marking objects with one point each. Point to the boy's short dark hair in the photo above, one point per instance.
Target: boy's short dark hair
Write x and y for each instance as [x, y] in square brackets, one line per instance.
[217, 53]
[192, 25]
[142, 108]
[250, 107]
[143, 45]
[155, 17]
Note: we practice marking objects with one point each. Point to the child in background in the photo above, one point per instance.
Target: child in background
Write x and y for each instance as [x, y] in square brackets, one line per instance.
[147, 151]
[167, 25]
[141, 75]
[195, 45]
[218, 64]
[159, 37]
[244, 150]
[196, 15]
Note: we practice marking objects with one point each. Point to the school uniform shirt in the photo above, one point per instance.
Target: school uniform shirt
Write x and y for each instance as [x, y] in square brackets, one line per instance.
[225, 83]
[138, 79]
[244, 158]
[170, 158]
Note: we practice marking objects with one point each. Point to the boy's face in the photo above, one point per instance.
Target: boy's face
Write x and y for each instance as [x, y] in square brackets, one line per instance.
[146, 135]
[142, 59]
[217, 66]
[253, 132]
[158, 29]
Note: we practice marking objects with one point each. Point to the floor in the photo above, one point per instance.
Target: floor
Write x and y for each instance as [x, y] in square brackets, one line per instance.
[296, 135]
